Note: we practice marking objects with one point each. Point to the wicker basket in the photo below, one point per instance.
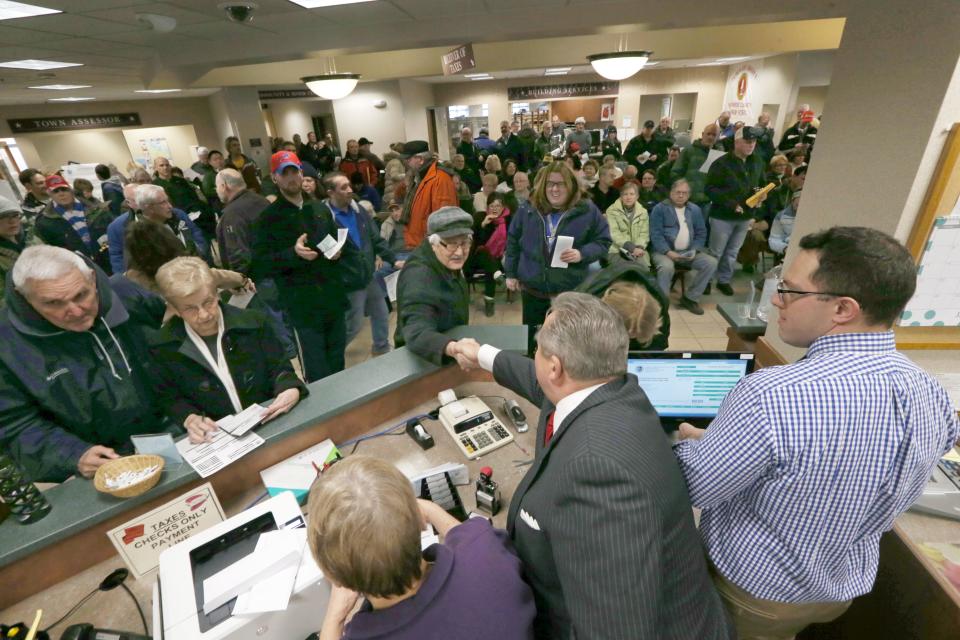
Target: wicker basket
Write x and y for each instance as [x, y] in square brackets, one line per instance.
[129, 463]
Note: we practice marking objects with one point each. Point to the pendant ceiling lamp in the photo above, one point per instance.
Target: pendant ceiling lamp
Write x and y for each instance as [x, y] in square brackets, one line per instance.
[332, 85]
[621, 64]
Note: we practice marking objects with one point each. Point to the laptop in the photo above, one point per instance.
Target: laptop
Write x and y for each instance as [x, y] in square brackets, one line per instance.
[688, 386]
[941, 495]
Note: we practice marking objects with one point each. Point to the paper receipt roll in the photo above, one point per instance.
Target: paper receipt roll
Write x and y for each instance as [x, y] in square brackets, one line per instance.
[446, 397]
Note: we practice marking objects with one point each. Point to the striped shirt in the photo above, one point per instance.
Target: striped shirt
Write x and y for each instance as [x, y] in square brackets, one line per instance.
[807, 464]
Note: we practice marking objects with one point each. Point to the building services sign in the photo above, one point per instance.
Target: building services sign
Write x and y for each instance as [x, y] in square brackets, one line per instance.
[568, 90]
[72, 123]
[458, 60]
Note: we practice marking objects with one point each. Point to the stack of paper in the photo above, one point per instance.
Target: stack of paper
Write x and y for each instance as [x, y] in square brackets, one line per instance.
[207, 458]
[330, 247]
[296, 474]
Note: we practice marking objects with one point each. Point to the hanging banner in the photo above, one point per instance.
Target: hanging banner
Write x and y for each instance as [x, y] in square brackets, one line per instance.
[740, 96]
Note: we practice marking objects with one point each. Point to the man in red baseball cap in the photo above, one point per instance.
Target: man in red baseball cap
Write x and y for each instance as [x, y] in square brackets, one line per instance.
[66, 222]
[284, 247]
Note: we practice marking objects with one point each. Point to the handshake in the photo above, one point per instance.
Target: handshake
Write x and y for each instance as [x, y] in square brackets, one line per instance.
[466, 351]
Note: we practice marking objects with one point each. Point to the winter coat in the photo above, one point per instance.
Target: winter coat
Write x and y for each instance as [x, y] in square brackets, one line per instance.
[62, 392]
[528, 257]
[53, 229]
[309, 289]
[625, 232]
[434, 190]
[186, 384]
[357, 264]
[235, 227]
[183, 195]
[431, 299]
[794, 136]
[638, 146]
[189, 234]
[688, 166]
[358, 164]
[626, 271]
[730, 182]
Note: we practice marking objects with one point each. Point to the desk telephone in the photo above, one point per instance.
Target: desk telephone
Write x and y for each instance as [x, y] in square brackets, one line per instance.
[472, 425]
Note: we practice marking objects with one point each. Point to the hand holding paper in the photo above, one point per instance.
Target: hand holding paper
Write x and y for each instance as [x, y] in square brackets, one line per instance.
[562, 244]
[330, 247]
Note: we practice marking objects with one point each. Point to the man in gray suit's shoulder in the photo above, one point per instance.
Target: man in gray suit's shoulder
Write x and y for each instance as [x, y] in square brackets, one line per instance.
[602, 520]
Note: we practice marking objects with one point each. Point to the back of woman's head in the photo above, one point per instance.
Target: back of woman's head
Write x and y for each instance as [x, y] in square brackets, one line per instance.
[638, 308]
[148, 245]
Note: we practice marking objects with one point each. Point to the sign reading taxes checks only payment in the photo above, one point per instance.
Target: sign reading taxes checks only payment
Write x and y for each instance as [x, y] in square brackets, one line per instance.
[71, 123]
[141, 540]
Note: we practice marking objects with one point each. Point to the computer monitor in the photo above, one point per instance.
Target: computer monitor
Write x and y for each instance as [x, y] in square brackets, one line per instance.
[688, 386]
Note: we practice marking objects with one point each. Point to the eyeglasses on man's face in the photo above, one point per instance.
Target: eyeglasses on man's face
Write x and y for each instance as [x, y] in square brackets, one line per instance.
[463, 245]
[783, 292]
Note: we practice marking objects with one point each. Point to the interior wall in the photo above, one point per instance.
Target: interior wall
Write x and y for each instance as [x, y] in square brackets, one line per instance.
[158, 112]
[589, 108]
[417, 97]
[179, 138]
[778, 80]
[684, 106]
[816, 97]
[99, 145]
[296, 116]
[356, 116]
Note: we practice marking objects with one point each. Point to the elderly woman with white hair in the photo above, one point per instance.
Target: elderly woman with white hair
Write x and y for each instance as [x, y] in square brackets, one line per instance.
[215, 360]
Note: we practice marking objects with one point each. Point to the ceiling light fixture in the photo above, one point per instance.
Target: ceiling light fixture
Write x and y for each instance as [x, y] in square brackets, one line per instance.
[38, 65]
[621, 64]
[157, 90]
[61, 87]
[559, 71]
[10, 10]
[332, 85]
[317, 4]
[733, 59]
[71, 99]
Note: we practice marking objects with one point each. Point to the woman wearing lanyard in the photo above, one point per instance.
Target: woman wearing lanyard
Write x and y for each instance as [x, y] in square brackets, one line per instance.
[556, 213]
[215, 360]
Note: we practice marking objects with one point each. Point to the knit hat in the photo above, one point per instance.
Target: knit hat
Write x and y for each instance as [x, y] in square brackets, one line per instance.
[448, 222]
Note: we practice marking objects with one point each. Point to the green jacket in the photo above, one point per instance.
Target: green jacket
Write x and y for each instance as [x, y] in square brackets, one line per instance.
[626, 232]
[431, 299]
[688, 165]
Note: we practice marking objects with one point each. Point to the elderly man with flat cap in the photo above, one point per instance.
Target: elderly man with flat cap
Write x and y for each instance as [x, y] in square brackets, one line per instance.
[432, 188]
[432, 294]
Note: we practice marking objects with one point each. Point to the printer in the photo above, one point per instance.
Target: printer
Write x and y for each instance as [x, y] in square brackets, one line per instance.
[181, 609]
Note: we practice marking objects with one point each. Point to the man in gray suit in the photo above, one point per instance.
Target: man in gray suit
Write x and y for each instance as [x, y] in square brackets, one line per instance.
[602, 520]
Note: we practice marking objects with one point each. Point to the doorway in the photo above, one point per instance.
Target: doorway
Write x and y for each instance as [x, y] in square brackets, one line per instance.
[432, 128]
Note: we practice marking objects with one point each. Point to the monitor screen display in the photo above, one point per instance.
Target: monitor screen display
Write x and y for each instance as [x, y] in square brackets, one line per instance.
[688, 387]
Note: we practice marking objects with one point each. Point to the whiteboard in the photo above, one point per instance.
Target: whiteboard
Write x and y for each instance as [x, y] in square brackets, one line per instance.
[936, 302]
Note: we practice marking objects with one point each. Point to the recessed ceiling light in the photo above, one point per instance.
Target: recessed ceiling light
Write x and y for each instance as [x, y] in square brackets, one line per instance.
[558, 70]
[61, 87]
[38, 65]
[476, 75]
[710, 64]
[71, 99]
[157, 90]
[316, 4]
[482, 78]
[10, 10]
[651, 64]
[733, 59]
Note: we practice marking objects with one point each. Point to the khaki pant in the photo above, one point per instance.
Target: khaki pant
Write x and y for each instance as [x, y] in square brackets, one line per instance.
[758, 619]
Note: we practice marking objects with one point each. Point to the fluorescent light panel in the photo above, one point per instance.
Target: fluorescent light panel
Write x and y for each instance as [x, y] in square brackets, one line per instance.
[733, 59]
[477, 75]
[157, 90]
[12, 10]
[71, 99]
[38, 65]
[61, 87]
[317, 4]
[558, 70]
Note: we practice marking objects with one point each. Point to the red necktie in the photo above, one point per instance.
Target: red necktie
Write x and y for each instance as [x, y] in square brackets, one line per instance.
[549, 432]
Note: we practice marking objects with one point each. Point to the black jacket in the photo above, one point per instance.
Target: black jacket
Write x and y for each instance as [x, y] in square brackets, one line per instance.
[629, 271]
[512, 148]
[62, 392]
[186, 384]
[52, 228]
[357, 264]
[638, 146]
[793, 136]
[430, 299]
[308, 288]
[730, 182]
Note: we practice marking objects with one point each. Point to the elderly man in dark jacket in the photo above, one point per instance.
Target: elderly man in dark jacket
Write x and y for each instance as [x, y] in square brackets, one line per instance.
[214, 360]
[73, 388]
[358, 263]
[432, 295]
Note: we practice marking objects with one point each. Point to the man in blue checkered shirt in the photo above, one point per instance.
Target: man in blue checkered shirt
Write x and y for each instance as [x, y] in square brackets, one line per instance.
[806, 465]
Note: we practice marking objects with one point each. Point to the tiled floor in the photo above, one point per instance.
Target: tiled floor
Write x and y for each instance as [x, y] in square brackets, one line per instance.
[687, 331]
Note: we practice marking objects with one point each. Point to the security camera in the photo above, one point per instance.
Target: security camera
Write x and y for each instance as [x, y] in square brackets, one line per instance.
[239, 11]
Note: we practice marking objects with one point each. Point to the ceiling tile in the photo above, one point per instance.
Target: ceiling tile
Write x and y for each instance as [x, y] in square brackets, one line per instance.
[72, 24]
[426, 9]
[229, 32]
[497, 6]
[128, 15]
[267, 7]
[148, 39]
[12, 35]
[74, 6]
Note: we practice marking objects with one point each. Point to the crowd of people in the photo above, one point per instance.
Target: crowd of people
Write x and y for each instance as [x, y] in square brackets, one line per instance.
[170, 302]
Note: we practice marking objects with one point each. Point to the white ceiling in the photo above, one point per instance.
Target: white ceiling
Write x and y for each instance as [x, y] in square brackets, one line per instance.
[121, 54]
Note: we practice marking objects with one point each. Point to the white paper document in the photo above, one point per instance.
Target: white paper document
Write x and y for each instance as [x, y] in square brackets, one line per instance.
[711, 158]
[261, 566]
[391, 282]
[272, 593]
[241, 300]
[562, 244]
[207, 458]
[330, 247]
[239, 424]
[643, 157]
[194, 215]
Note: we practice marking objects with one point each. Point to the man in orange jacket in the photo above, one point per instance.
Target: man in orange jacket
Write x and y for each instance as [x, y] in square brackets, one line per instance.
[432, 188]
